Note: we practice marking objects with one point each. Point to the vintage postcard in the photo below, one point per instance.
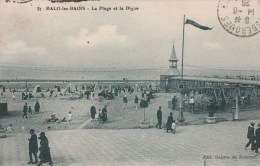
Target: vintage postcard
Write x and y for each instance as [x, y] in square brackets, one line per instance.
[129, 82]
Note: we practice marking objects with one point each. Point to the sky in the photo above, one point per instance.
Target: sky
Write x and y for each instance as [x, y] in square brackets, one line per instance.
[121, 38]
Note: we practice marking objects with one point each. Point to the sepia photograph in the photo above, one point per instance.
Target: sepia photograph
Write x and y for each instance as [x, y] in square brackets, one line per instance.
[129, 82]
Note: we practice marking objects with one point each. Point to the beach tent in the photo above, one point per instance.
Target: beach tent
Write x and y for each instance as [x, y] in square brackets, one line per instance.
[37, 88]
[3, 108]
[71, 88]
[94, 87]
[57, 88]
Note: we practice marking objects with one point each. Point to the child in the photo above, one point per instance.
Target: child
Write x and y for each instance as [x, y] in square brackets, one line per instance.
[63, 120]
[99, 114]
[9, 128]
[13, 96]
[174, 127]
[70, 116]
[30, 110]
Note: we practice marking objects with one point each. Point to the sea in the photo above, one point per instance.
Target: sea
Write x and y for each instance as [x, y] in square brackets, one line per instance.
[110, 73]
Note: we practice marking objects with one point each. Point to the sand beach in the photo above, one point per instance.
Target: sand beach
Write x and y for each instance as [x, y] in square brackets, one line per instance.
[119, 116]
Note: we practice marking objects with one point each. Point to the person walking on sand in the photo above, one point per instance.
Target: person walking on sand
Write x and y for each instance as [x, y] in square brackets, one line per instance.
[37, 107]
[104, 114]
[45, 154]
[125, 100]
[33, 147]
[70, 116]
[93, 112]
[25, 109]
[159, 118]
[136, 101]
[30, 110]
[250, 136]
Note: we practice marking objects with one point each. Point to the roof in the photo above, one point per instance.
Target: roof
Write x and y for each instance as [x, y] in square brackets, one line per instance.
[221, 80]
[173, 55]
[173, 72]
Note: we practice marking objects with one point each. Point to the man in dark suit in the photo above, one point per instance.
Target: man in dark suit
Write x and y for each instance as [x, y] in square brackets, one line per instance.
[125, 100]
[159, 118]
[33, 147]
[257, 138]
[250, 136]
[174, 101]
[25, 109]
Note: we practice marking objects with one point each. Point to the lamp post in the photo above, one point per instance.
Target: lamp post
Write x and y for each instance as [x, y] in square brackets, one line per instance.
[181, 117]
[181, 86]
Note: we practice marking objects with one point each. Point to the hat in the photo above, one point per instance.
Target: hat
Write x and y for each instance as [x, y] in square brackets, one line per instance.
[252, 123]
[42, 134]
[31, 130]
[160, 106]
[171, 113]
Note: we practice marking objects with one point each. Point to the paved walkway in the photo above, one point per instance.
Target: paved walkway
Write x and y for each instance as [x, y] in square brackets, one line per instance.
[143, 147]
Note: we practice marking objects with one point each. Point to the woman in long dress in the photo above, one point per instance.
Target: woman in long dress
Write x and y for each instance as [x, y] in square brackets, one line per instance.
[45, 154]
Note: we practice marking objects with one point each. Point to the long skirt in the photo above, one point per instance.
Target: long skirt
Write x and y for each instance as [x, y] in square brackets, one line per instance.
[45, 155]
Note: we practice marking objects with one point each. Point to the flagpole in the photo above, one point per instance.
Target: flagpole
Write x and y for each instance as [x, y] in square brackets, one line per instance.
[181, 118]
[182, 55]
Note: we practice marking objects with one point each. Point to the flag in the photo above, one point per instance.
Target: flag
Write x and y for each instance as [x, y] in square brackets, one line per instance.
[197, 25]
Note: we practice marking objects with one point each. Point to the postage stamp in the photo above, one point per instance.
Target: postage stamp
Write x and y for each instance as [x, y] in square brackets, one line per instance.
[240, 17]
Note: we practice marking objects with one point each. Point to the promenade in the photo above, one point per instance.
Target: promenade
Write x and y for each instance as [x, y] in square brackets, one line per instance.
[221, 142]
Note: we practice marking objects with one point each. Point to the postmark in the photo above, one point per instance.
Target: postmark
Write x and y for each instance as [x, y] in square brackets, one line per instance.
[19, 1]
[240, 17]
[53, 1]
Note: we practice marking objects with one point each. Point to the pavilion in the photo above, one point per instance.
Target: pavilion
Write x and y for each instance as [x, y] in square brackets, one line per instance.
[167, 81]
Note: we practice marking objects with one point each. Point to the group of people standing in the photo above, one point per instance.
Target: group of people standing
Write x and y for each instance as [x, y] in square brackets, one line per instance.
[253, 136]
[102, 115]
[45, 155]
[29, 109]
[125, 100]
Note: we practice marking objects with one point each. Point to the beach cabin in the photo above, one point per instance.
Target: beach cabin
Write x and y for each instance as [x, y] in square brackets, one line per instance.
[3, 108]
[37, 88]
